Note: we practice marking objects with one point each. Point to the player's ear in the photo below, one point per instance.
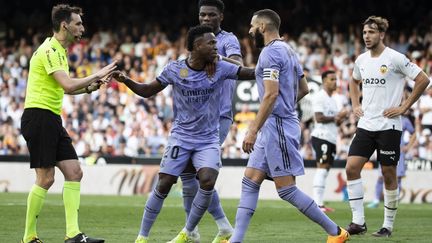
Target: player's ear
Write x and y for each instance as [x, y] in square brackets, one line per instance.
[222, 17]
[262, 27]
[196, 45]
[63, 25]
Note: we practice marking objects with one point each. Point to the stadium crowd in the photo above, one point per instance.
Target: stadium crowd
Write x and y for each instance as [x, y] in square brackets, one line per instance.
[115, 122]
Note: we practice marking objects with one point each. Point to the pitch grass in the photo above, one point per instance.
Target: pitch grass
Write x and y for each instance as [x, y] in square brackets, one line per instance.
[118, 218]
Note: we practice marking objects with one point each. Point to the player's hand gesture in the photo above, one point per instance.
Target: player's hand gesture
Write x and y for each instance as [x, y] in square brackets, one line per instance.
[358, 111]
[119, 76]
[249, 141]
[94, 86]
[107, 70]
[394, 112]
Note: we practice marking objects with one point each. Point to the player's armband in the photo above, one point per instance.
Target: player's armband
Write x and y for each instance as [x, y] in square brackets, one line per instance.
[271, 74]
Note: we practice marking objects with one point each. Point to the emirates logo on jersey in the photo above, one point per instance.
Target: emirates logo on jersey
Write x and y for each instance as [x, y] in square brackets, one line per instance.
[383, 69]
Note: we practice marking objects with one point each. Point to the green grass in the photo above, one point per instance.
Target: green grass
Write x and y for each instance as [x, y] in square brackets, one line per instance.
[118, 218]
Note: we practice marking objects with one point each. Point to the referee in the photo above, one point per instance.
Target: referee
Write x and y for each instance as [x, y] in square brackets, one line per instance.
[48, 142]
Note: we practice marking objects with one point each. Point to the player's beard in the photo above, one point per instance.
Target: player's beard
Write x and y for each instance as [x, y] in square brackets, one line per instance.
[259, 39]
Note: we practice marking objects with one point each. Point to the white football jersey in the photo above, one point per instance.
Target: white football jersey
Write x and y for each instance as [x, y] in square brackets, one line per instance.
[325, 104]
[383, 81]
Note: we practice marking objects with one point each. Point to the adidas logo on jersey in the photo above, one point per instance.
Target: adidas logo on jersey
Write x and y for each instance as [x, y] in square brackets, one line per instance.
[277, 169]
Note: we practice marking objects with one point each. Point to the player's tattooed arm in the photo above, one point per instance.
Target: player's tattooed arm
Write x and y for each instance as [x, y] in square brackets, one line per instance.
[245, 73]
[210, 68]
[234, 59]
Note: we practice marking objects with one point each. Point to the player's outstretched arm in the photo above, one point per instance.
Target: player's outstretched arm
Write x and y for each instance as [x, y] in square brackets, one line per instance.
[141, 89]
[234, 59]
[245, 73]
[210, 68]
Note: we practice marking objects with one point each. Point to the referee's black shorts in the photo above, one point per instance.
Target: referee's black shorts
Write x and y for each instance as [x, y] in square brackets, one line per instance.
[386, 143]
[47, 141]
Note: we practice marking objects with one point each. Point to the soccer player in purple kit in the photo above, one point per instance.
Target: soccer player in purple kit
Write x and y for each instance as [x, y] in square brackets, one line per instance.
[196, 97]
[273, 138]
[211, 14]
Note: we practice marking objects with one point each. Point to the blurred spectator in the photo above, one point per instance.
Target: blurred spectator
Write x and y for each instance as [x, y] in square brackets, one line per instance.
[113, 121]
[425, 105]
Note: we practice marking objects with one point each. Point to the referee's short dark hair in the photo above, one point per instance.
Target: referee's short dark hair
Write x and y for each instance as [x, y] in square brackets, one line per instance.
[63, 12]
[196, 32]
[216, 3]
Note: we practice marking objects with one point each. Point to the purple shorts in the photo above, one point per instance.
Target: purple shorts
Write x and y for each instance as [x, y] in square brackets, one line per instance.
[178, 154]
[276, 151]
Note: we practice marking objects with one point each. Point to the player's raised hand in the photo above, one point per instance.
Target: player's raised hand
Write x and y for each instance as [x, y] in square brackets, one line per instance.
[249, 141]
[394, 112]
[107, 70]
[119, 76]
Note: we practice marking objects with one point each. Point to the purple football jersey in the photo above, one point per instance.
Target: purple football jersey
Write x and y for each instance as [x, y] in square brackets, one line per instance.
[196, 99]
[279, 56]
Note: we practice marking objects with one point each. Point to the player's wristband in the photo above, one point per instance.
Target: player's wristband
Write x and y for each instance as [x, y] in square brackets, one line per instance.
[87, 90]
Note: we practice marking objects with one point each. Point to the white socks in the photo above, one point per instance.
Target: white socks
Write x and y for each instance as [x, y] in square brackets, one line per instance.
[355, 195]
[390, 207]
[319, 185]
